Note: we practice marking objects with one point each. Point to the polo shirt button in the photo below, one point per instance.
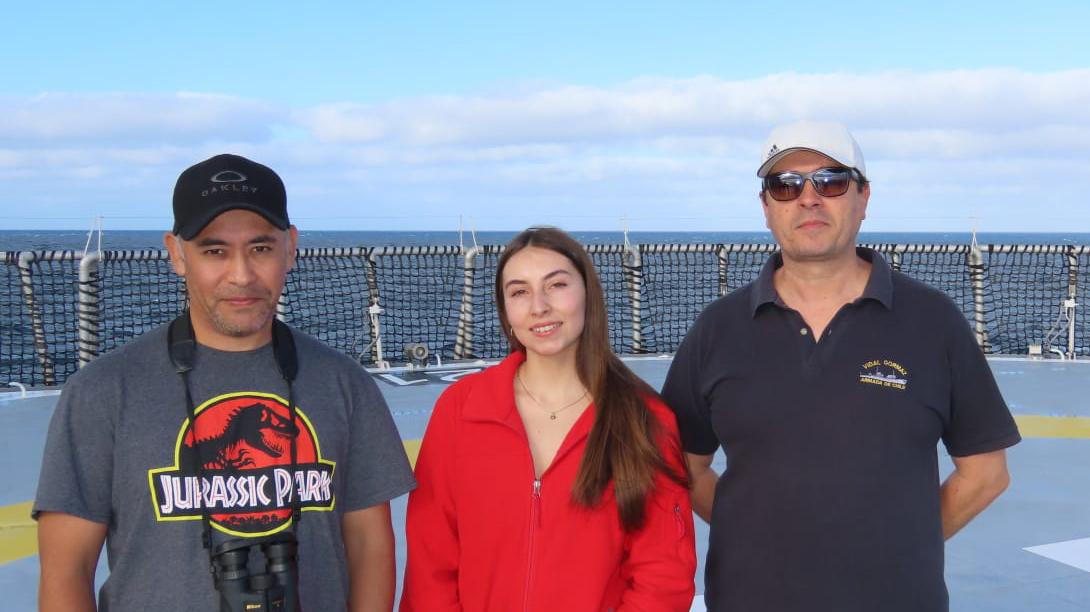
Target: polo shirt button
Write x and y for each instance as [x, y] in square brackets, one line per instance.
[804, 331]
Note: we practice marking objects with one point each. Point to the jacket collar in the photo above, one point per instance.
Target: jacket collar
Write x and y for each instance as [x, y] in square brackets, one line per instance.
[493, 400]
[879, 285]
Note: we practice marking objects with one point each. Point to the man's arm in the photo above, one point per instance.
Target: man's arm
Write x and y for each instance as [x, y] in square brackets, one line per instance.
[974, 484]
[369, 547]
[704, 479]
[68, 550]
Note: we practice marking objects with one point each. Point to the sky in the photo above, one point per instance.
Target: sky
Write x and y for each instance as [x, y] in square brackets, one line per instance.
[590, 116]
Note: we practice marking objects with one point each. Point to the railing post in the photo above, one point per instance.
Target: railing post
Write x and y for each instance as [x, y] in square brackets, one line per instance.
[282, 303]
[463, 340]
[895, 257]
[976, 282]
[721, 256]
[374, 309]
[89, 307]
[633, 277]
[1072, 298]
[36, 324]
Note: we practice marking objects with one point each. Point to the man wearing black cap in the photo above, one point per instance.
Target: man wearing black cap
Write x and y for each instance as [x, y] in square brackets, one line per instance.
[224, 431]
[828, 382]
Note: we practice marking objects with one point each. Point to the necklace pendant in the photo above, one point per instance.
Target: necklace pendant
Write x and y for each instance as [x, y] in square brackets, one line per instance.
[553, 416]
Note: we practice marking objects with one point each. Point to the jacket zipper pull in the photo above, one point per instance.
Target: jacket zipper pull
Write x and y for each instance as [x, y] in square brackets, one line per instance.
[678, 521]
[536, 496]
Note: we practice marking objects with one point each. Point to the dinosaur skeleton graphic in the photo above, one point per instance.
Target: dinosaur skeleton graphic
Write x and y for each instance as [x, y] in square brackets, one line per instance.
[250, 428]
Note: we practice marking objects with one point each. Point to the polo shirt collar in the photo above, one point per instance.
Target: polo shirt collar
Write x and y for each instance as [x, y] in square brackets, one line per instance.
[879, 286]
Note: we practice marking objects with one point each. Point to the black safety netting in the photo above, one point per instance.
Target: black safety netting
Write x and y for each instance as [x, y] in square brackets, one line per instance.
[945, 267]
[429, 295]
[327, 294]
[420, 293]
[38, 329]
[676, 284]
[135, 291]
[1025, 293]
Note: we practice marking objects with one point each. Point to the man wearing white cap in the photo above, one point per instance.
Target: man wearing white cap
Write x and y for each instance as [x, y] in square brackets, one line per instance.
[828, 382]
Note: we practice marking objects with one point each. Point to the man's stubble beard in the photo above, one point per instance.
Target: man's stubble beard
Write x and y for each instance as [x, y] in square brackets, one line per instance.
[227, 327]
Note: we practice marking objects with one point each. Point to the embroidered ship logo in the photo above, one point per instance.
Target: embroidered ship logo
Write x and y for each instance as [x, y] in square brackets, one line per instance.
[884, 373]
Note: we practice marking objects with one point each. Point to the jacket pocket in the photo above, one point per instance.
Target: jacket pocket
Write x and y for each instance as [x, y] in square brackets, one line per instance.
[679, 521]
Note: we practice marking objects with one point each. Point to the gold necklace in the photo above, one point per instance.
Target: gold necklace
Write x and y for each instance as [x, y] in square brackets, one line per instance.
[552, 413]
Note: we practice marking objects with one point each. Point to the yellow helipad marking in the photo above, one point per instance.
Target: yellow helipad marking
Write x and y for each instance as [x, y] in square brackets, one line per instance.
[412, 449]
[18, 532]
[1032, 426]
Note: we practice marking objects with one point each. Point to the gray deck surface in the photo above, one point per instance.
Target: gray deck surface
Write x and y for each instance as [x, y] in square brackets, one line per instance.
[987, 570]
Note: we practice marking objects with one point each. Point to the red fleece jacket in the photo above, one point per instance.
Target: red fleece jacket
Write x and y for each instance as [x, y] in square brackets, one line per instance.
[483, 536]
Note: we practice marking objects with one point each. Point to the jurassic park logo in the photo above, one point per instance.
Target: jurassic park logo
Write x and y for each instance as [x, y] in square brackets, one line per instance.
[242, 442]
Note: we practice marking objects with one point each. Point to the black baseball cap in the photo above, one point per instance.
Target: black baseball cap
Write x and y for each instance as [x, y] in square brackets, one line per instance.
[226, 182]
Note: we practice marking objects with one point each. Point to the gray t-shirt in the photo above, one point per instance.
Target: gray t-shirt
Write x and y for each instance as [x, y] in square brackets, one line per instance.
[120, 452]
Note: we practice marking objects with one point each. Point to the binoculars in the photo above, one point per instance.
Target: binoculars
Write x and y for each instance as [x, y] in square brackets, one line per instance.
[275, 589]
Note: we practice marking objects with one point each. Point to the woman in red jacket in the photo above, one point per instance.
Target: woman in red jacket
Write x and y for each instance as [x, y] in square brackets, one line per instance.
[552, 481]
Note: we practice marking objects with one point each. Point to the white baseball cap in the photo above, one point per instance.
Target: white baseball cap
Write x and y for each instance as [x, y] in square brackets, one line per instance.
[832, 140]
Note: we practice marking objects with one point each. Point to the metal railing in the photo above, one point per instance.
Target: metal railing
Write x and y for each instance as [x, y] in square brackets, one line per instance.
[60, 309]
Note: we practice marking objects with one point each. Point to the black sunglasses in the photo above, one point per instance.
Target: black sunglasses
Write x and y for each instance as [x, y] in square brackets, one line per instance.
[827, 182]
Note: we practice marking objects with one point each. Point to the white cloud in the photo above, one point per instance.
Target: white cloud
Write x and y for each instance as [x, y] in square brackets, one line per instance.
[124, 117]
[974, 103]
[944, 149]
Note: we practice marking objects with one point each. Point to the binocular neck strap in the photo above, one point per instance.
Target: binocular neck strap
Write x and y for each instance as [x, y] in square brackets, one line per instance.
[287, 360]
[183, 351]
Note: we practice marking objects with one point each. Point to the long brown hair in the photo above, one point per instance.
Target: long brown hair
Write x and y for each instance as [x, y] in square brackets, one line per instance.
[622, 444]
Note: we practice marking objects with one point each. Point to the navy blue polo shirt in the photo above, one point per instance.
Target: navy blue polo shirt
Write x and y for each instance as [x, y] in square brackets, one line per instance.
[830, 499]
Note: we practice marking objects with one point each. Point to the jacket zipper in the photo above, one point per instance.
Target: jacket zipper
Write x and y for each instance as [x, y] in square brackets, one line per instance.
[535, 523]
[535, 512]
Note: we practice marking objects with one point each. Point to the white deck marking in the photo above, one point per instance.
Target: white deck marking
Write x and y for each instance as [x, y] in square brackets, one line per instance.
[1075, 553]
[401, 382]
[407, 377]
[454, 375]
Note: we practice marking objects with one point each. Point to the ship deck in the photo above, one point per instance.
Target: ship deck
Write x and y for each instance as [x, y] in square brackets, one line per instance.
[1029, 551]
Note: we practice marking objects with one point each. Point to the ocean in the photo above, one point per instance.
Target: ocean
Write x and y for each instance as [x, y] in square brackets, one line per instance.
[123, 240]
